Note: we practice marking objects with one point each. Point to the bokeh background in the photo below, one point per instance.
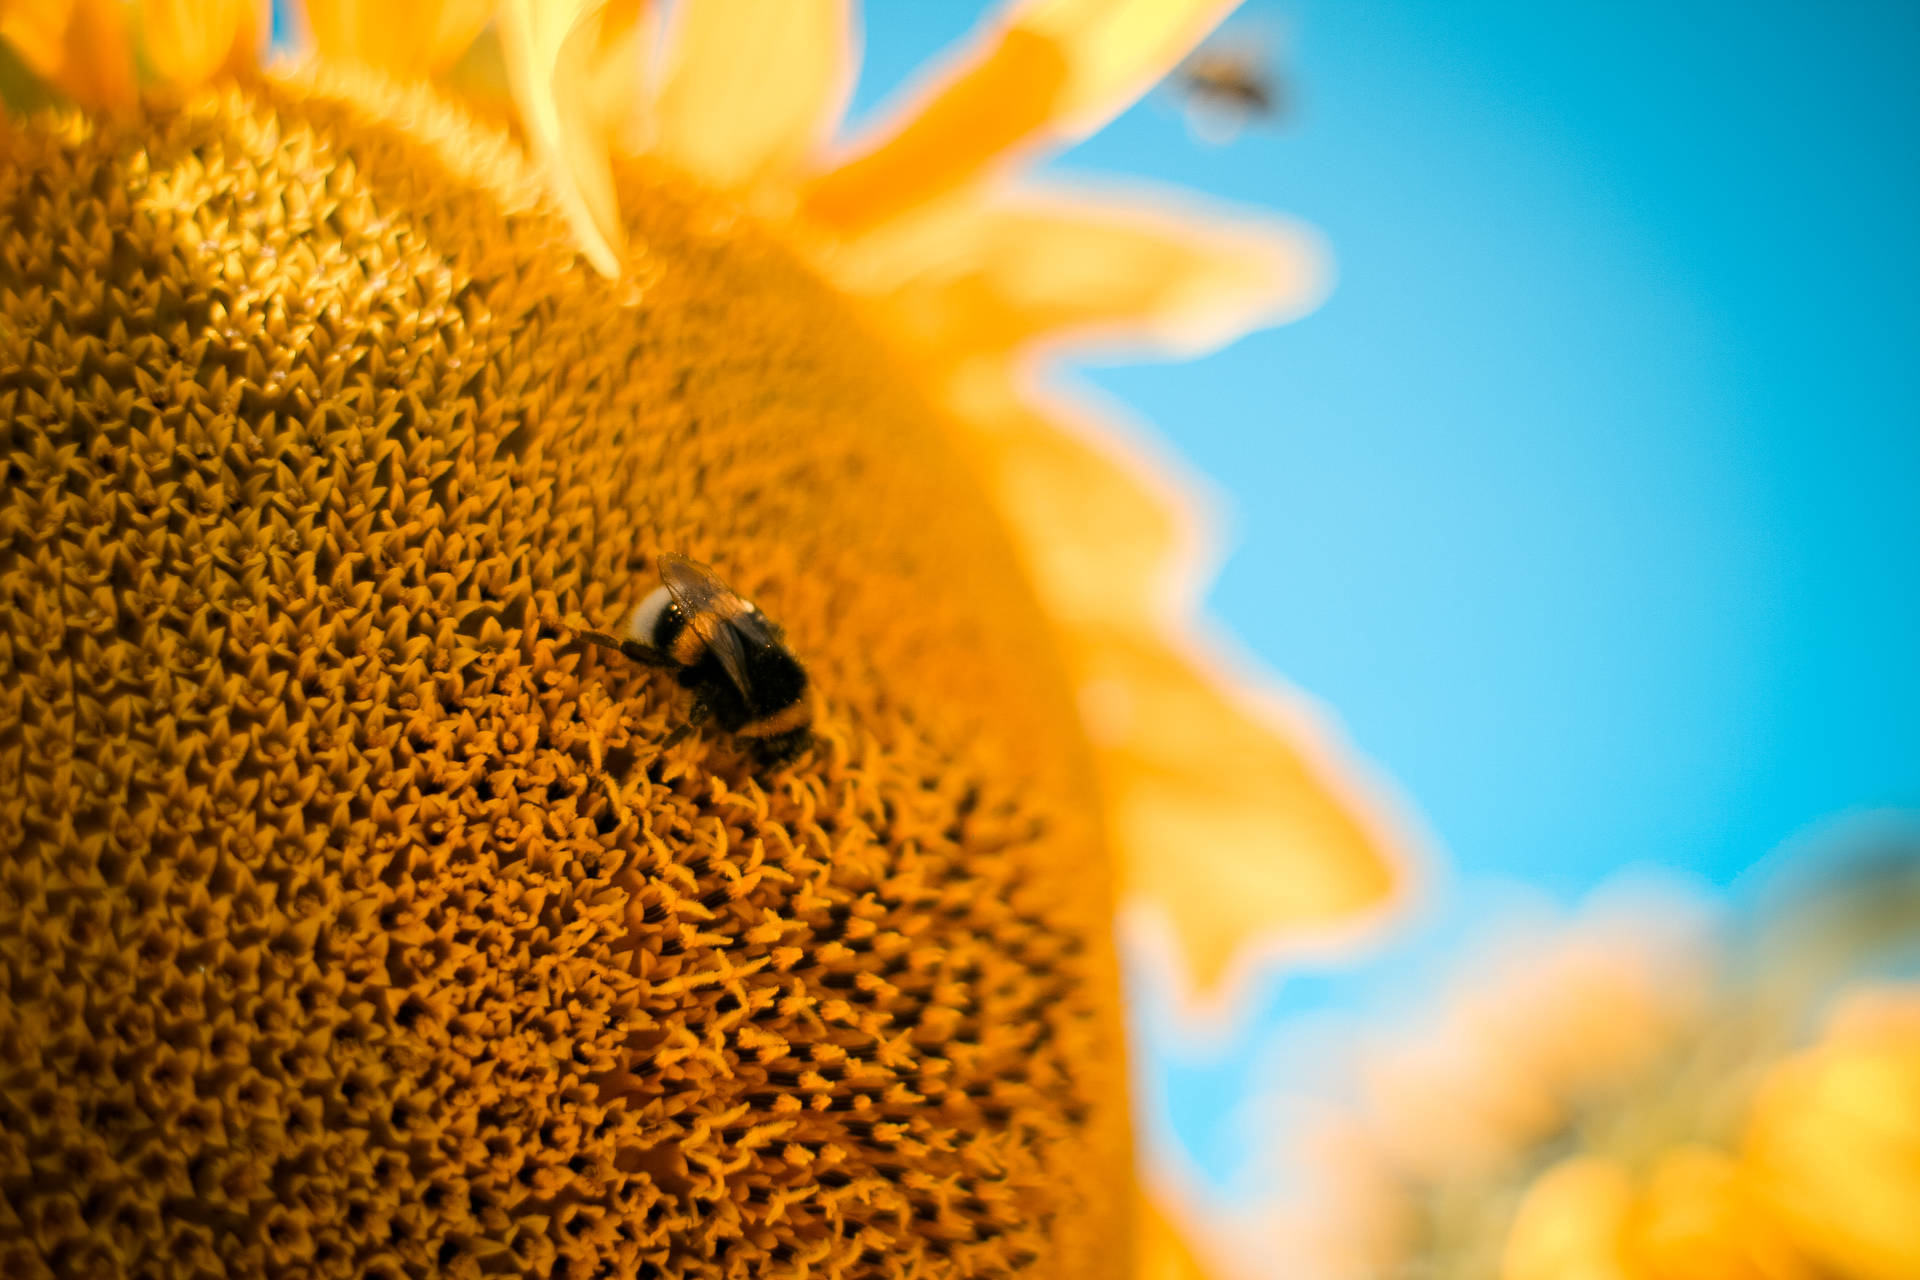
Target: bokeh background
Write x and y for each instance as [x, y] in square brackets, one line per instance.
[1589, 503]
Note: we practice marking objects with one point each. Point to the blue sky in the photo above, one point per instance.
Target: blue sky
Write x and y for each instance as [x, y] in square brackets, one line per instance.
[1590, 501]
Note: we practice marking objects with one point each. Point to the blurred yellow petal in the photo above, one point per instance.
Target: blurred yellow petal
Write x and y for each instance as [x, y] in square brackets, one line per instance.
[998, 101]
[1886, 1014]
[617, 71]
[478, 78]
[1570, 1225]
[554, 54]
[408, 39]
[1694, 1217]
[979, 276]
[1698, 1218]
[1118, 48]
[1237, 816]
[37, 31]
[1454, 1107]
[80, 47]
[22, 90]
[751, 86]
[1163, 1253]
[187, 42]
[1835, 1140]
[1049, 70]
[1232, 821]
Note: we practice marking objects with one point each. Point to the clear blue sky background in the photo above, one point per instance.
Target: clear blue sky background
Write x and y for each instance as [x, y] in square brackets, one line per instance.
[1590, 502]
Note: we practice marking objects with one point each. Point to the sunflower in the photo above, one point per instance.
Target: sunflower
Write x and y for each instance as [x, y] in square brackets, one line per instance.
[1627, 1094]
[1825, 1180]
[356, 919]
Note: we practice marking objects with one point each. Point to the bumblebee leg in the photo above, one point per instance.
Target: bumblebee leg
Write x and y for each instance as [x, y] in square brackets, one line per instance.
[600, 638]
[696, 716]
[631, 649]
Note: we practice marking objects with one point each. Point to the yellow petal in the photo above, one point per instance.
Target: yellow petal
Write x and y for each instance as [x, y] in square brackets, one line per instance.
[38, 32]
[1835, 1140]
[998, 101]
[1237, 815]
[1050, 70]
[1869, 1013]
[1699, 1218]
[1233, 822]
[81, 47]
[752, 85]
[1163, 1254]
[408, 39]
[988, 275]
[555, 54]
[1119, 48]
[616, 74]
[187, 42]
[1571, 1224]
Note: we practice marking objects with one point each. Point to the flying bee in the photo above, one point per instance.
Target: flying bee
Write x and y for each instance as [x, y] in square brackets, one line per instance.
[733, 658]
[1228, 84]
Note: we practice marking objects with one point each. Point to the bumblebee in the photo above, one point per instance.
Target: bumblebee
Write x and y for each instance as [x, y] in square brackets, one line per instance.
[733, 658]
[1230, 78]
[1227, 85]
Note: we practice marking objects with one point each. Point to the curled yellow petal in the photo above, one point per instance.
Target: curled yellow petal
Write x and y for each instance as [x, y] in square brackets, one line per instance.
[1236, 814]
[407, 40]
[750, 86]
[555, 54]
[188, 41]
[989, 275]
[1048, 70]
[80, 47]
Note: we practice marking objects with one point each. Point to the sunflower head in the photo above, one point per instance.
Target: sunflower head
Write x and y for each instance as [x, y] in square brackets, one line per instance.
[360, 919]
[314, 442]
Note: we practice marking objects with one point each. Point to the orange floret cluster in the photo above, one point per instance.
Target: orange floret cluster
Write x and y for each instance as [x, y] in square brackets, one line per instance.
[352, 920]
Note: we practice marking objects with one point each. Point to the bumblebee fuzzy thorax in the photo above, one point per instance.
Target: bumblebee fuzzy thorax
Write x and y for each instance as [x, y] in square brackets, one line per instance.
[654, 621]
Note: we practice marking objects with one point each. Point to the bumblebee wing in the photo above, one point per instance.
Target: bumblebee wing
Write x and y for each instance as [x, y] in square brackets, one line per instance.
[729, 644]
[713, 611]
[774, 679]
[694, 587]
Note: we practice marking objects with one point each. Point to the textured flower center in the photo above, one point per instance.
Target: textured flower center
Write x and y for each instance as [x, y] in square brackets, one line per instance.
[354, 920]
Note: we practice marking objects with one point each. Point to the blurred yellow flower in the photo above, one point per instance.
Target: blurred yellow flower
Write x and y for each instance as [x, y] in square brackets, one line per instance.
[1835, 1140]
[1544, 1023]
[1569, 1227]
[1617, 1096]
[1413, 1160]
[1825, 1184]
[357, 908]
[1693, 1216]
